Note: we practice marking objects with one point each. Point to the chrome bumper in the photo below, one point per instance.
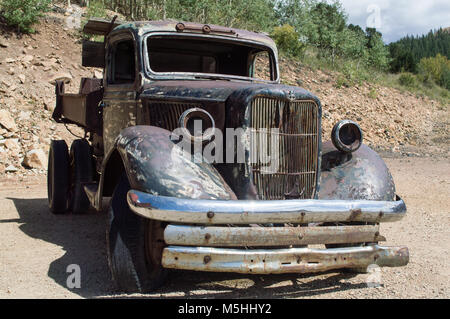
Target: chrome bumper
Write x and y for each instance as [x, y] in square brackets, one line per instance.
[205, 245]
[208, 212]
[294, 260]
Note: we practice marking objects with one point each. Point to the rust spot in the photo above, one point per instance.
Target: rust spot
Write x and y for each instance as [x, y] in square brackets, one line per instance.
[134, 198]
[354, 213]
[144, 205]
[180, 27]
[206, 259]
[207, 236]
[206, 29]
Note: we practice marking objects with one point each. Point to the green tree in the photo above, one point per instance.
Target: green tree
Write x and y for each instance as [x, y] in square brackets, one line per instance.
[435, 69]
[353, 45]
[408, 51]
[23, 14]
[287, 40]
[378, 51]
[328, 21]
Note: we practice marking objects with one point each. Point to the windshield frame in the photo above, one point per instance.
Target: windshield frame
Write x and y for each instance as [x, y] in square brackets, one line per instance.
[202, 76]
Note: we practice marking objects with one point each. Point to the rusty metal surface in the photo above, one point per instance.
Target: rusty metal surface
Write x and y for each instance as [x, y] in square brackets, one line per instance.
[181, 235]
[154, 164]
[294, 260]
[223, 212]
[142, 27]
[298, 126]
[166, 114]
[359, 175]
[119, 112]
[237, 98]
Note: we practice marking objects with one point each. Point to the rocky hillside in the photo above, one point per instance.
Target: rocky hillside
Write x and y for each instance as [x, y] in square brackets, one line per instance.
[28, 66]
[391, 120]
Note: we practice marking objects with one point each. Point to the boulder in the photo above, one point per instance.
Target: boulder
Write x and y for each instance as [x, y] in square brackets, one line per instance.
[7, 121]
[35, 159]
[49, 104]
[27, 58]
[66, 77]
[12, 144]
[4, 43]
[22, 78]
[11, 169]
[98, 74]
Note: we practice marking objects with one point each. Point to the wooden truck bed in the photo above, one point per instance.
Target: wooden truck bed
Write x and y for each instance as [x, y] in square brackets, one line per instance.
[81, 108]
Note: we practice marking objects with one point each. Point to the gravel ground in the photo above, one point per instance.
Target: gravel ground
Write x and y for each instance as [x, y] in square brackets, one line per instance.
[36, 248]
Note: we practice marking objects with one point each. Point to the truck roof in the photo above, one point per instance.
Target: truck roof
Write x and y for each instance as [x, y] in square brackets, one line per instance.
[103, 27]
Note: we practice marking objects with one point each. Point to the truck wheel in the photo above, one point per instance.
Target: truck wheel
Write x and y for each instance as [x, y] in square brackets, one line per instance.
[58, 177]
[81, 173]
[135, 245]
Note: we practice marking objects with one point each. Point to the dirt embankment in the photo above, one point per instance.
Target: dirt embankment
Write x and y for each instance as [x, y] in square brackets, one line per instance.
[392, 121]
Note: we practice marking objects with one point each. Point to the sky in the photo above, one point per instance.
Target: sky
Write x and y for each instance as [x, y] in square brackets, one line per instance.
[398, 18]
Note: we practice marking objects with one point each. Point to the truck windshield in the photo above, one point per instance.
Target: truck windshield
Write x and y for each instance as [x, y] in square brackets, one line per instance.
[208, 57]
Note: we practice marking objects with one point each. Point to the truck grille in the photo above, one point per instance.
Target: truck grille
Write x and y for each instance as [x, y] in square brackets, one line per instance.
[297, 145]
[166, 114]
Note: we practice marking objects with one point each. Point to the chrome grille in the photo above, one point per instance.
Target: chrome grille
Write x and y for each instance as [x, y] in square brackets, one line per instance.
[166, 114]
[297, 142]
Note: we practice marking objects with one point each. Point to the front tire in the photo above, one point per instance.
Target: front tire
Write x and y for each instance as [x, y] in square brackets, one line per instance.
[135, 246]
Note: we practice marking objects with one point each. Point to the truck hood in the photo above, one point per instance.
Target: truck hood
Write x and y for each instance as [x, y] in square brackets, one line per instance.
[219, 91]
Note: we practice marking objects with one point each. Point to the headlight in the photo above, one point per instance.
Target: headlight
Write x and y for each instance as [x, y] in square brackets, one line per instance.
[198, 125]
[347, 136]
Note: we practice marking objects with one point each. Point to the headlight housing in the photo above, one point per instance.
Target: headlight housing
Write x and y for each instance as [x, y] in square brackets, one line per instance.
[347, 136]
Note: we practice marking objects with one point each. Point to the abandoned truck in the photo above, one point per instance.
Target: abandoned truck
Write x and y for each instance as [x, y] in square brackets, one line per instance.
[258, 193]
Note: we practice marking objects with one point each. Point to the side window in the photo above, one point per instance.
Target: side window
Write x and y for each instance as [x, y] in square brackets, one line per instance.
[122, 68]
[261, 66]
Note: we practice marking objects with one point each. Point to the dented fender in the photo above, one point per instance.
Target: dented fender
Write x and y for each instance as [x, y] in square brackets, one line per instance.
[362, 175]
[155, 164]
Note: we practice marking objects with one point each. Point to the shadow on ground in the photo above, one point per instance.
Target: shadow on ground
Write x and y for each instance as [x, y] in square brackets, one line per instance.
[83, 239]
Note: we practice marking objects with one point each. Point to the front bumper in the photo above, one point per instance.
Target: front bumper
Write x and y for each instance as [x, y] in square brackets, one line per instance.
[198, 237]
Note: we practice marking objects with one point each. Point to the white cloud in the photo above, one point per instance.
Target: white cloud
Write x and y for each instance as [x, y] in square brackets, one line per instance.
[399, 18]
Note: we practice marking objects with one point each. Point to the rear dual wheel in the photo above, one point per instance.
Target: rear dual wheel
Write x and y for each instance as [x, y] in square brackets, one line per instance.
[81, 173]
[66, 175]
[58, 177]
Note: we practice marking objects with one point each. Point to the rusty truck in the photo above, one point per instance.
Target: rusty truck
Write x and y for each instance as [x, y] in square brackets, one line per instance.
[271, 197]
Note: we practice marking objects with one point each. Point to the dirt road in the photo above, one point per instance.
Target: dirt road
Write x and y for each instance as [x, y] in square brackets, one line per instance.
[36, 248]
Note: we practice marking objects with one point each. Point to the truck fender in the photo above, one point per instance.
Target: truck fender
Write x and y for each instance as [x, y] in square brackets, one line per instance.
[154, 164]
[362, 175]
